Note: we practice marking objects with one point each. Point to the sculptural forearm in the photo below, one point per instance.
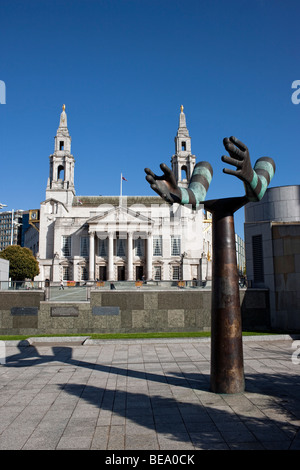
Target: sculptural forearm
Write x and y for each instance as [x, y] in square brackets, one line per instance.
[263, 172]
[198, 186]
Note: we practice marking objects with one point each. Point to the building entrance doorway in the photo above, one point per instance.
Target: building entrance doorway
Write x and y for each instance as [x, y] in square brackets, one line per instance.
[102, 273]
[139, 272]
[121, 273]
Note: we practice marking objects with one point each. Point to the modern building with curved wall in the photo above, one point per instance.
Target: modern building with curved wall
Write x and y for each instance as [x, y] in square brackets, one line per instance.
[272, 246]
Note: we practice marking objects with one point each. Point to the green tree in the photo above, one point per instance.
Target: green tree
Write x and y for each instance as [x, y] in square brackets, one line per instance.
[22, 263]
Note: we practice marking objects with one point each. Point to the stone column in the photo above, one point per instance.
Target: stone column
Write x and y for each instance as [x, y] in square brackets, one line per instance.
[110, 273]
[92, 257]
[56, 275]
[149, 256]
[129, 257]
[203, 267]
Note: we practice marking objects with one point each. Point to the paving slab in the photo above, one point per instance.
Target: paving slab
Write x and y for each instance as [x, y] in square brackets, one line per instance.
[146, 395]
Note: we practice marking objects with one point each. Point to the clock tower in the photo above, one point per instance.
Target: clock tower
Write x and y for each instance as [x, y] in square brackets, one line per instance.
[60, 184]
[183, 161]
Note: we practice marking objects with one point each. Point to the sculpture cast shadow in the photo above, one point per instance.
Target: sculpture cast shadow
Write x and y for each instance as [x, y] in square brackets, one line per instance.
[168, 409]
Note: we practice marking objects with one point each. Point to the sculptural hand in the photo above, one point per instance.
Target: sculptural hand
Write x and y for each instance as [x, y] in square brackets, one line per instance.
[165, 186]
[168, 189]
[257, 179]
[239, 157]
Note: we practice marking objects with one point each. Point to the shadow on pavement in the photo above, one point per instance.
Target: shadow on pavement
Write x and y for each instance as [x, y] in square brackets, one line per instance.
[201, 421]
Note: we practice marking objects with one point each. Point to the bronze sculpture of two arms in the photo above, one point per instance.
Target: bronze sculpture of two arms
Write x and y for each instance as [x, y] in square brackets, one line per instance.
[256, 179]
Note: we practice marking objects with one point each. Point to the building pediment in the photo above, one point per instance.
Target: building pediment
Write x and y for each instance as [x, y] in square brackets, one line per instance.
[119, 218]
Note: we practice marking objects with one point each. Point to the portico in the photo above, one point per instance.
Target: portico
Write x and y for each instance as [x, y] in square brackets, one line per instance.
[120, 245]
[124, 264]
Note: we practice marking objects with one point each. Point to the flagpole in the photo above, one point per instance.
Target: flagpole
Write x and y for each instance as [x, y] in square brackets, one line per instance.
[121, 186]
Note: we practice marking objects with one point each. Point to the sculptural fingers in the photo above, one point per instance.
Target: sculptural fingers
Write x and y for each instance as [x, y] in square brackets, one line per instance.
[238, 143]
[228, 171]
[235, 148]
[165, 185]
[257, 179]
[168, 175]
[239, 157]
[232, 161]
[150, 173]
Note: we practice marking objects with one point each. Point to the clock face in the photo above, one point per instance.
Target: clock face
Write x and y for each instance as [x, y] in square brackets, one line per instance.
[33, 215]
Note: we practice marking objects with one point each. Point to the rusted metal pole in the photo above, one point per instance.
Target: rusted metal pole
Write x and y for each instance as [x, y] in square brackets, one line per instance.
[227, 368]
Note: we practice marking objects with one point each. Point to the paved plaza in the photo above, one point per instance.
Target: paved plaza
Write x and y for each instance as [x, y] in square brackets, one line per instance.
[147, 395]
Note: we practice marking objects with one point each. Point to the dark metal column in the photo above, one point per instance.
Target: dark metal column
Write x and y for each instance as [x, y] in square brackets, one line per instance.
[227, 368]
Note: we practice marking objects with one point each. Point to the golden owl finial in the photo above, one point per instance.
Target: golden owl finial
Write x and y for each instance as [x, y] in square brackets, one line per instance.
[181, 108]
[64, 107]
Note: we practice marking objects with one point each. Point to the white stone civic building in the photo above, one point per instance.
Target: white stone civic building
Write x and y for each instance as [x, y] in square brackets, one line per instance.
[89, 238]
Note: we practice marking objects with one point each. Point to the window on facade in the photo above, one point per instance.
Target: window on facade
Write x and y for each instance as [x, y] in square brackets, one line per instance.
[66, 245]
[258, 261]
[175, 245]
[61, 145]
[84, 246]
[157, 245]
[175, 273]
[183, 145]
[139, 247]
[66, 273]
[102, 247]
[157, 273]
[84, 274]
[121, 251]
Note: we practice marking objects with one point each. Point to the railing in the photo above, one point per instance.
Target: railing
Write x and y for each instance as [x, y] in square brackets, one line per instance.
[81, 291]
[22, 285]
[108, 285]
[150, 285]
[76, 291]
[68, 293]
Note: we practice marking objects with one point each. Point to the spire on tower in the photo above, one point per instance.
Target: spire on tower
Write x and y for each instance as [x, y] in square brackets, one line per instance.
[182, 129]
[183, 161]
[63, 127]
[61, 180]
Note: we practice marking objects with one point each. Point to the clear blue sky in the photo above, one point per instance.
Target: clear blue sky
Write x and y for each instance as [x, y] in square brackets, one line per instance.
[123, 68]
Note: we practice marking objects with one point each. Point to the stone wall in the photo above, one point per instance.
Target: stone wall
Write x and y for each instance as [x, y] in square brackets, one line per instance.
[125, 312]
[286, 251]
[19, 311]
